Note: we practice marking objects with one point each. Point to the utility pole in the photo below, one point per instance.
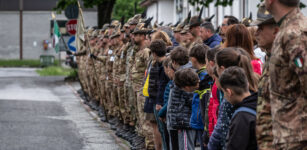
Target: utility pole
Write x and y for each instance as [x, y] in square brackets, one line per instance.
[20, 28]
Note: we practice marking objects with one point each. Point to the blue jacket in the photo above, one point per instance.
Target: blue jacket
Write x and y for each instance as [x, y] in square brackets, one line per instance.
[217, 140]
[213, 41]
[163, 110]
[196, 121]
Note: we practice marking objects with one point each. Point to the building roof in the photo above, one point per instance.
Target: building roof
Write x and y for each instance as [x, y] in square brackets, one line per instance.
[146, 3]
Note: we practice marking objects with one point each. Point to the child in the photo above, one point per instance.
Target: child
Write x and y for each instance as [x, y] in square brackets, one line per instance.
[200, 102]
[186, 82]
[241, 135]
[157, 79]
[214, 101]
[178, 117]
[226, 58]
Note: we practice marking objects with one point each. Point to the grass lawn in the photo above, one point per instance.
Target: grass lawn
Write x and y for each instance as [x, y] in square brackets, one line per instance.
[22, 63]
[56, 71]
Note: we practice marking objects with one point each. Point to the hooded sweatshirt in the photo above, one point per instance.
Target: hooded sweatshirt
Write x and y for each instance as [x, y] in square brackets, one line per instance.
[241, 135]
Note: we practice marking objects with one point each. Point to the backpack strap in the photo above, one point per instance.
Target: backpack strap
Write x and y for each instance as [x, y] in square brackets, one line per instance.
[244, 109]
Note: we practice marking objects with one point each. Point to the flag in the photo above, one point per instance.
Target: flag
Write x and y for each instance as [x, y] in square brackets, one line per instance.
[56, 36]
[80, 29]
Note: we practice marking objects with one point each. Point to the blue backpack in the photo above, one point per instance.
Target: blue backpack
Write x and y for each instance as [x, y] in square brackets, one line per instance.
[244, 109]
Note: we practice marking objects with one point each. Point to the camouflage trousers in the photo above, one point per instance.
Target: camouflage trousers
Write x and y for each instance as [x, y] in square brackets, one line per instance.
[114, 102]
[143, 126]
[102, 100]
[122, 100]
[130, 102]
[292, 146]
[108, 95]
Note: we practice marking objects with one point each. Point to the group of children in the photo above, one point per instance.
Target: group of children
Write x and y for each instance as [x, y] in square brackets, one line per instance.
[209, 97]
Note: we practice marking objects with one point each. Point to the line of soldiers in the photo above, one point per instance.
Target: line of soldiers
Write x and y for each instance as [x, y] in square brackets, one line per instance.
[111, 71]
[111, 66]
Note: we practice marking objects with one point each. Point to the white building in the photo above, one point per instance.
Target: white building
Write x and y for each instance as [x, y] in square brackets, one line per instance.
[170, 11]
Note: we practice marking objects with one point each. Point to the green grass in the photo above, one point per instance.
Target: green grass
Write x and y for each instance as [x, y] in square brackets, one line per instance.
[57, 71]
[22, 63]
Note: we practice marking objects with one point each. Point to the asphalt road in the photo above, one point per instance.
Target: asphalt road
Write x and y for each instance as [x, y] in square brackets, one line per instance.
[44, 113]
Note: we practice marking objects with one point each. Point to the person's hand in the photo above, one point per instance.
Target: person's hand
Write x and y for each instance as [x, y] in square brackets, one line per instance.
[93, 56]
[158, 107]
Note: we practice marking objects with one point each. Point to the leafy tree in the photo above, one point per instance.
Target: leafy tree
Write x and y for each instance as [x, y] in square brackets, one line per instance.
[105, 9]
[126, 8]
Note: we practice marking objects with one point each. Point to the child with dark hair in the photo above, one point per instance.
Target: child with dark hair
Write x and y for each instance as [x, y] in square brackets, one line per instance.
[199, 118]
[179, 104]
[157, 83]
[186, 81]
[241, 133]
[214, 100]
[226, 58]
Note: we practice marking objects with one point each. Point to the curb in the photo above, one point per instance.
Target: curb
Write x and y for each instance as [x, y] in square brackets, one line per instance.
[123, 144]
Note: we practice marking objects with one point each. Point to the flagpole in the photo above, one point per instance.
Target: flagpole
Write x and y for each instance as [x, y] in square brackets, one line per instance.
[54, 23]
[95, 72]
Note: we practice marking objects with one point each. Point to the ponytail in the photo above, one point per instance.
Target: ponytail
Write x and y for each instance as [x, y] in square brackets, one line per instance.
[238, 57]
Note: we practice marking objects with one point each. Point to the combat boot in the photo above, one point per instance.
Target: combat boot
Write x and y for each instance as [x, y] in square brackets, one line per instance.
[139, 146]
[80, 92]
[114, 124]
[124, 130]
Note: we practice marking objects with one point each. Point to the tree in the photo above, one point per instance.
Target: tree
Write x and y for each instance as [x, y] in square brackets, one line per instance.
[126, 8]
[105, 10]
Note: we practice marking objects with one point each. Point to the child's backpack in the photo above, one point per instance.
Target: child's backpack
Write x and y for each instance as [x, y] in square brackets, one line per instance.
[244, 109]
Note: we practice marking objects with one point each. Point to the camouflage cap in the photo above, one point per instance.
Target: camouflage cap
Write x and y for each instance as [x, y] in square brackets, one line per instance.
[263, 17]
[140, 29]
[195, 21]
[135, 19]
[115, 33]
[105, 27]
[247, 21]
[185, 29]
[95, 33]
[106, 34]
[115, 24]
[179, 27]
[90, 31]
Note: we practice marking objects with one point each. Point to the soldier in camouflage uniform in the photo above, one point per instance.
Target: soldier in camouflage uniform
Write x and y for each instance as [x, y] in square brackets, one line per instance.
[137, 76]
[194, 29]
[128, 91]
[119, 73]
[102, 77]
[79, 59]
[288, 76]
[89, 64]
[265, 35]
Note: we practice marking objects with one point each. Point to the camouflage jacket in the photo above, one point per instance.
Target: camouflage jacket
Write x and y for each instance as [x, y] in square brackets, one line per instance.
[122, 62]
[288, 79]
[264, 118]
[139, 66]
[116, 63]
[129, 62]
[109, 63]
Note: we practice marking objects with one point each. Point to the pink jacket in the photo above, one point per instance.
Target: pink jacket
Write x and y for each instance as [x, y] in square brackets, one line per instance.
[213, 109]
[257, 66]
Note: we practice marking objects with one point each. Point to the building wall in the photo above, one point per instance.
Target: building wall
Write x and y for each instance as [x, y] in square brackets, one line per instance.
[36, 28]
[239, 9]
[165, 11]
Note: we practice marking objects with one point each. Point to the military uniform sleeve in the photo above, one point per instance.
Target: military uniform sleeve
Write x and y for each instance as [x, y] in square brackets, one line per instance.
[102, 58]
[297, 48]
[80, 53]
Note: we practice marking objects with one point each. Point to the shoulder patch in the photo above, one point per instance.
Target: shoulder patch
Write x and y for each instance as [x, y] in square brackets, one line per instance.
[299, 61]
